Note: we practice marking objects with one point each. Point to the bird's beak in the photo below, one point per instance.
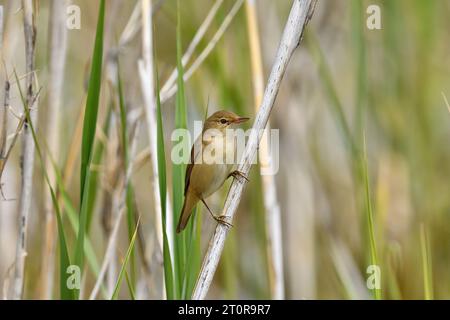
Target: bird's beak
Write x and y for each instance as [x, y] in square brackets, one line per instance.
[240, 119]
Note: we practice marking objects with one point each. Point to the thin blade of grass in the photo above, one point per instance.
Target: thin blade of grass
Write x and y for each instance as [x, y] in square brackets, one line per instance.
[64, 260]
[193, 255]
[426, 264]
[125, 263]
[393, 284]
[89, 252]
[168, 269]
[129, 201]
[130, 287]
[93, 181]
[369, 212]
[72, 215]
[93, 97]
[187, 243]
[360, 65]
[89, 127]
[178, 170]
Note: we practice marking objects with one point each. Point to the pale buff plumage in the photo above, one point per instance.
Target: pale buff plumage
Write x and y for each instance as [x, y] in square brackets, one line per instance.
[204, 176]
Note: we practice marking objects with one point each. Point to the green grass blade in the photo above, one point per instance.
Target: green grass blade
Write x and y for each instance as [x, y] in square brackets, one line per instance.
[93, 181]
[369, 212]
[123, 119]
[393, 251]
[426, 264]
[93, 97]
[130, 287]
[89, 252]
[178, 170]
[89, 127]
[73, 219]
[358, 16]
[187, 243]
[64, 260]
[129, 200]
[124, 264]
[194, 254]
[161, 154]
[72, 215]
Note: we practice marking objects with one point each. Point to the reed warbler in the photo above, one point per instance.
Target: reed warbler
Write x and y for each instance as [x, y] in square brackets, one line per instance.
[203, 177]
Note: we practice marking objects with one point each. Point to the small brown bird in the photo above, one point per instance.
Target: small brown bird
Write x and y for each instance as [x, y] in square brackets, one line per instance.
[204, 177]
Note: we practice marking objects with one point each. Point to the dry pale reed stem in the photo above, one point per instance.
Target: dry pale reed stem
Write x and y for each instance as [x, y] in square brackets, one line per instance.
[272, 208]
[110, 252]
[19, 127]
[146, 73]
[27, 157]
[134, 23]
[195, 41]
[57, 59]
[4, 109]
[3, 125]
[132, 26]
[3, 136]
[170, 91]
[299, 16]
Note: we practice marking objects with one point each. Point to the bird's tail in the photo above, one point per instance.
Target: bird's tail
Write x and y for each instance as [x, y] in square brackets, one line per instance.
[190, 200]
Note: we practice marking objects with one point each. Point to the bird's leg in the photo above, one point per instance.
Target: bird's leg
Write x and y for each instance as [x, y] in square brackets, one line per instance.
[238, 174]
[220, 219]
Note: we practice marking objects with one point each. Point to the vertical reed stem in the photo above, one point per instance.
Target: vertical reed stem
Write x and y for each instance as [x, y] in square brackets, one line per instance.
[27, 157]
[272, 209]
[57, 59]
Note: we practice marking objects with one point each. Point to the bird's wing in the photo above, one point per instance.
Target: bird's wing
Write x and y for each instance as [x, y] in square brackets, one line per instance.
[195, 150]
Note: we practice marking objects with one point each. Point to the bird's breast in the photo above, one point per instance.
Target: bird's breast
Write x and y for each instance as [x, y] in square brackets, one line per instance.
[210, 173]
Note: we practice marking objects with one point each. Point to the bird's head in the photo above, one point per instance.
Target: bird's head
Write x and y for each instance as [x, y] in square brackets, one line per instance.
[223, 119]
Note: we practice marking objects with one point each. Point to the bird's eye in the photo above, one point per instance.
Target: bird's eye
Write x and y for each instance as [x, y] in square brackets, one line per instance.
[223, 121]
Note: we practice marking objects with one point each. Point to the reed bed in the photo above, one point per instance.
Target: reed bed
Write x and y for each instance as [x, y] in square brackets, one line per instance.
[90, 198]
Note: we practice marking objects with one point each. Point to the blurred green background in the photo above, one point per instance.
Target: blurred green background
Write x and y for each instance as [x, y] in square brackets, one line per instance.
[346, 87]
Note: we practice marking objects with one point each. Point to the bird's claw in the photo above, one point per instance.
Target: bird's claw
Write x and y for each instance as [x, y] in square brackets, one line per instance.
[222, 220]
[238, 174]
